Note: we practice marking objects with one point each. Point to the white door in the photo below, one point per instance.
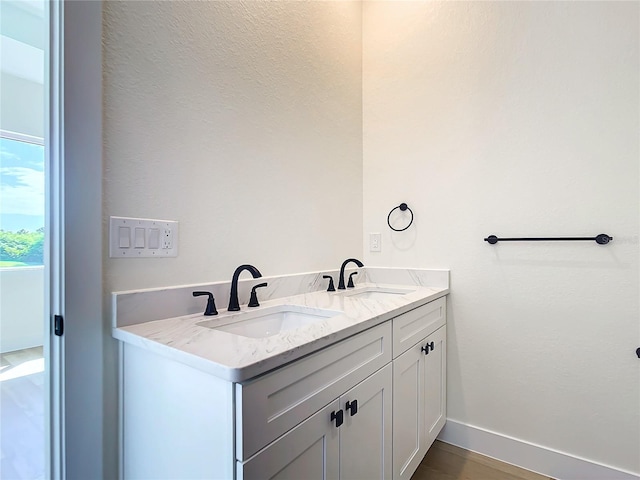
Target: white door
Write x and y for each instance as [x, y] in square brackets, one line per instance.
[29, 250]
[309, 451]
[365, 436]
[408, 412]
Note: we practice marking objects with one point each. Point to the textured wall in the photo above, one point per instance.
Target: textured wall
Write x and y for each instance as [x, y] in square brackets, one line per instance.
[241, 120]
[517, 119]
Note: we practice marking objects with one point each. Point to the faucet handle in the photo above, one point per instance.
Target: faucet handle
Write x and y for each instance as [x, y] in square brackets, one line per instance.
[211, 303]
[350, 284]
[331, 288]
[253, 301]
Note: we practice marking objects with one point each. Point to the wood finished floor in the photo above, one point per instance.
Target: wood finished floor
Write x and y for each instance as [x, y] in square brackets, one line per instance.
[21, 416]
[447, 462]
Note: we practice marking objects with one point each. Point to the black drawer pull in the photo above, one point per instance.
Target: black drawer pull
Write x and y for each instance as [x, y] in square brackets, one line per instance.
[338, 417]
[352, 407]
[427, 348]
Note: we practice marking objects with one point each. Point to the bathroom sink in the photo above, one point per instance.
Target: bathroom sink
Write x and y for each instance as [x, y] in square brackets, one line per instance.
[377, 293]
[269, 321]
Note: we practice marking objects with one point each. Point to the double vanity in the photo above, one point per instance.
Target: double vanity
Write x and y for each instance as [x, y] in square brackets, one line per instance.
[309, 384]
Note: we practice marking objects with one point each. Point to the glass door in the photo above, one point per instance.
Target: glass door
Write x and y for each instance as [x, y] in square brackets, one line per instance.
[26, 222]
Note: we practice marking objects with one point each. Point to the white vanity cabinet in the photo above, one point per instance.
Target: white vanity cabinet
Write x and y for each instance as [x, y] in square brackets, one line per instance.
[178, 422]
[350, 384]
[419, 385]
[368, 406]
[274, 403]
[350, 438]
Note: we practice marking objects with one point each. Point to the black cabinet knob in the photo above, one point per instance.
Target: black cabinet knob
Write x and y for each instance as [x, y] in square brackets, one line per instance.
[352, 407]
[338, 417]
[427, 348]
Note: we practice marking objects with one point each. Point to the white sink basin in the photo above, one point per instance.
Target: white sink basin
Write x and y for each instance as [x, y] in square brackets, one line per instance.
[377, 293]
[269, 321]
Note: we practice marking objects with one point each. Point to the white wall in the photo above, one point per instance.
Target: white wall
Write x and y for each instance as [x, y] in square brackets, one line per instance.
[22, 106]
[22, 66]
[22, 308]
[517, 119]
[241, 120]
[90, 388]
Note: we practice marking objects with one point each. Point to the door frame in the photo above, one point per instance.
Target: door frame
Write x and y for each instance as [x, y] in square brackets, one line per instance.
[83, 443]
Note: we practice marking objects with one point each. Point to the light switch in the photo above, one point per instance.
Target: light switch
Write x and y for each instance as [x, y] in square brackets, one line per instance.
[138, 241]
[124, 237]
[142, 237]
[154, 238]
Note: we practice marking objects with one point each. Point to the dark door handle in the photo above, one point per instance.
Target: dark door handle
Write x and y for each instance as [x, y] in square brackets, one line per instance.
[638, 352]
[338, 417]
[352, 407]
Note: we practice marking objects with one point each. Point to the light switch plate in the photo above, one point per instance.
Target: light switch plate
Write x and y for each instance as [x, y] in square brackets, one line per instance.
[375, 242]
[146, 238]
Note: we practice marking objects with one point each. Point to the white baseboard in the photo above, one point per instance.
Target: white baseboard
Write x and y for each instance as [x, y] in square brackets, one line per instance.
[535, 458]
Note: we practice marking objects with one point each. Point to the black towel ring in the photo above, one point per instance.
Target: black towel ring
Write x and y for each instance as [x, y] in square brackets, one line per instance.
[402, 207]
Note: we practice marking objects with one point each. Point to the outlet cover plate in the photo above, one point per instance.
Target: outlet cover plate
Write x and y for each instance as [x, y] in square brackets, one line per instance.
[375, 242]
[142, 237]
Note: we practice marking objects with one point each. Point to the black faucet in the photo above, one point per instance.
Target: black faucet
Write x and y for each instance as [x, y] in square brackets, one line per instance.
[331, 288]
[344, 264]
[233, 298]
[211, 303]
[253, 300]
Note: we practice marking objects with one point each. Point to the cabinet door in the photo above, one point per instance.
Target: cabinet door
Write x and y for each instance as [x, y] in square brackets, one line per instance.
[419, 401]
[435, 395]
[309, 451]
[273, 404]
[365, 437]
[408, 412]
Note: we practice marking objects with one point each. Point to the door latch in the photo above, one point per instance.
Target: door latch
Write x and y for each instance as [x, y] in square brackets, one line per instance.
[58, 325]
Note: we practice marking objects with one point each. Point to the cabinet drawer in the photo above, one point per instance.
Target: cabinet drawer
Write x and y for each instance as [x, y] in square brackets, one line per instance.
[310, 450]
[413, 326]
[276, 402]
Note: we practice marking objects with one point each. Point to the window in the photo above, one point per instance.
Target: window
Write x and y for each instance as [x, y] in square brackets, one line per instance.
[21, 200]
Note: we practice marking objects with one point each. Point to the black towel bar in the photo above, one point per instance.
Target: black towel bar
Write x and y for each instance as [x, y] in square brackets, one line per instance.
[601, 239]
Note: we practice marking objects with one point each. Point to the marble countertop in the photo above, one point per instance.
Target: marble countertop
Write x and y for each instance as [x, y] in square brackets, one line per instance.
[237, 358]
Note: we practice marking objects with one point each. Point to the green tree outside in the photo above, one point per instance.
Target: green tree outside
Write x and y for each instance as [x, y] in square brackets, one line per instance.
[22, 247]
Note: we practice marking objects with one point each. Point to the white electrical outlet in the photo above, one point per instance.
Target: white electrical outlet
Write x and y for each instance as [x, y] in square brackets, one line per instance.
[167, 238]
[375, 242]
[142, 237]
